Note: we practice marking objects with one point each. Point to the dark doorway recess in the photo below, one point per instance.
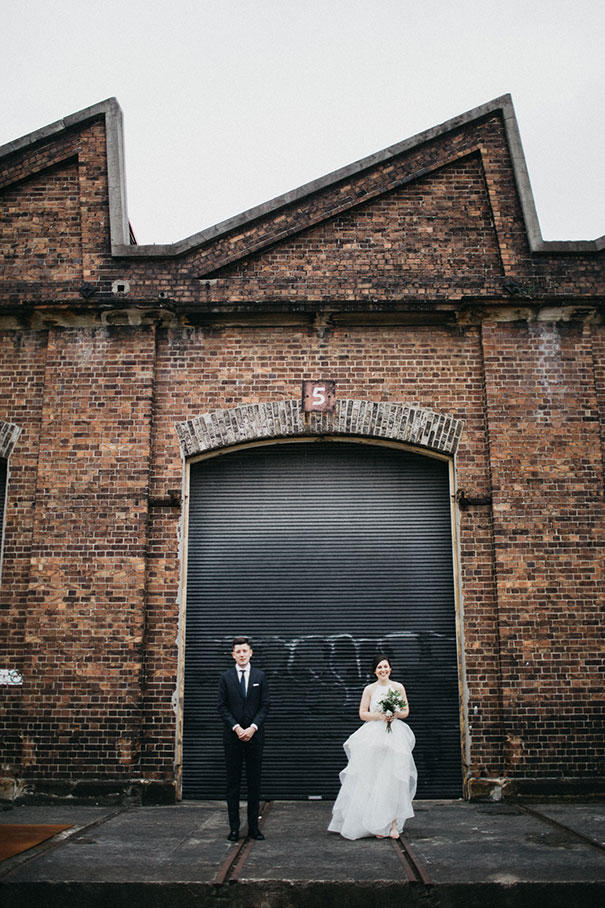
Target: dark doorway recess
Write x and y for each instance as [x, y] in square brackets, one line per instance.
[323, 552]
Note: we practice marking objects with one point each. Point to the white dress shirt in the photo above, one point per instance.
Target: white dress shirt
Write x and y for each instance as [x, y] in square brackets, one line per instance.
[246, 672]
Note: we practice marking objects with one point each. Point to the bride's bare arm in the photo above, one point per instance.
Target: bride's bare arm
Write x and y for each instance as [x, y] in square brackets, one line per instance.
[403, 713]
[364, 706]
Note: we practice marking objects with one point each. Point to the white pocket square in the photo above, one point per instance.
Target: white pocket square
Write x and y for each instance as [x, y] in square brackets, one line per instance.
[256, 685]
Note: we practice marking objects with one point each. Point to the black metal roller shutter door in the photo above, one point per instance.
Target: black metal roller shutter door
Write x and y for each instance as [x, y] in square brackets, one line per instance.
[323, 552]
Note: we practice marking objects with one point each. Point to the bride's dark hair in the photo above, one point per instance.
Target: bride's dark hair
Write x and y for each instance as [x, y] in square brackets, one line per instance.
[378, 658]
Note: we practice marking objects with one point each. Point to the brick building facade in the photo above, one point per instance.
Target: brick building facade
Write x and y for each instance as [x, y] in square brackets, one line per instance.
[418, 281]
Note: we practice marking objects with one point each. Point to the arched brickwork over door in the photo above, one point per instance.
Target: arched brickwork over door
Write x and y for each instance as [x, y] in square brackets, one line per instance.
[324, 550]
[403, 423]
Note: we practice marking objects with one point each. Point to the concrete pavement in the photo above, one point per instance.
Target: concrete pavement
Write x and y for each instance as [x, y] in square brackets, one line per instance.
[455, 853]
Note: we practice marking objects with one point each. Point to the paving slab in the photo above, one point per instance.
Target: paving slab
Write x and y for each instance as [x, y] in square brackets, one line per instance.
[587, 819]
[299, 847]
[180, 843]
[465, 842]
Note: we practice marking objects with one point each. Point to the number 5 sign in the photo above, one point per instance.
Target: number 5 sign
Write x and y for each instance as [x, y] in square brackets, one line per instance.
[318, 396]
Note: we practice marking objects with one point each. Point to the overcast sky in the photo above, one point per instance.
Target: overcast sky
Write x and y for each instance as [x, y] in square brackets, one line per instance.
[229, 103]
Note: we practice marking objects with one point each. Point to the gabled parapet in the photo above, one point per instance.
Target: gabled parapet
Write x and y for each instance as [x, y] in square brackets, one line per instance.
[119, 228]
[111, 112]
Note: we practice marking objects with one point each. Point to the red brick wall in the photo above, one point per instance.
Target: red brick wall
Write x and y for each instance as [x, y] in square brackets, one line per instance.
[55, 216]
[78, 589]
[38, 244]
[546, 463]
[398, 298]
[22, 358]
[407, 241]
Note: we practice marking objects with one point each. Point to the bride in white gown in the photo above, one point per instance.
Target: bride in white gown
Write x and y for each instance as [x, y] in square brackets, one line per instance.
[379, 782]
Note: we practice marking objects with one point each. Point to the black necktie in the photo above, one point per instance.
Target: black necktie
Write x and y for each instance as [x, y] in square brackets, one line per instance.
[242, 684]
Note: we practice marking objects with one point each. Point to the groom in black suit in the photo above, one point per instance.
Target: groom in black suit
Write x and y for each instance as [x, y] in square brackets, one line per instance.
[243, 704]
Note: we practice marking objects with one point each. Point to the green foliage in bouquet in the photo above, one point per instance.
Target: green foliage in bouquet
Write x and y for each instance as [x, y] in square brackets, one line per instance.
[392, 703]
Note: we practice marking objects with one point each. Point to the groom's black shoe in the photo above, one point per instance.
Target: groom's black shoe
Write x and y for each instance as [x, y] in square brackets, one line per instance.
[256, 834]
[233, 835]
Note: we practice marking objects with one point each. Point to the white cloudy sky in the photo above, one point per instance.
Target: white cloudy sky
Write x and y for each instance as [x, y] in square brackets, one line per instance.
[228, 103]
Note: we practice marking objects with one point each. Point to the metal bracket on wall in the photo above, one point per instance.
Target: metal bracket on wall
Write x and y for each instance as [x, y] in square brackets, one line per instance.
[172, 500]
[465, 502]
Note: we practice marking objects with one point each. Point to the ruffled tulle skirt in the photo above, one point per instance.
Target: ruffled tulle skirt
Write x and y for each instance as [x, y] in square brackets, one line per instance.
[379, 782]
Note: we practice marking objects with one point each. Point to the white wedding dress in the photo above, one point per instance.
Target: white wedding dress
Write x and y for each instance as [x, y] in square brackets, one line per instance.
[379, 782]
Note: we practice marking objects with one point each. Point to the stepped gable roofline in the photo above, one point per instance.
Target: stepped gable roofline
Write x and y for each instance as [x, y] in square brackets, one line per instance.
[120, 234]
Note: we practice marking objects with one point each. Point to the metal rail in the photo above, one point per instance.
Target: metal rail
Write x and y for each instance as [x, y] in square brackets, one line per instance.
[238, 854]
[538, 815]
[231, 868]
[415, 869]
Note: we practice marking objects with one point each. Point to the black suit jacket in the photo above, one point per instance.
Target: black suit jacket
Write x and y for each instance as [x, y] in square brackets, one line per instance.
[234, 709]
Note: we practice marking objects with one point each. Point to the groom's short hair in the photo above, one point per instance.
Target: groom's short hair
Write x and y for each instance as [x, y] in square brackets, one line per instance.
[240, 641]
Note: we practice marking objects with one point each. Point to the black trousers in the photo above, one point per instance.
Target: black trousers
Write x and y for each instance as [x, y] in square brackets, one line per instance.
[237, 754]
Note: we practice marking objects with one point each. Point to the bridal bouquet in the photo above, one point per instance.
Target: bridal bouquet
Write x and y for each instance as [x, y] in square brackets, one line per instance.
[391, 704]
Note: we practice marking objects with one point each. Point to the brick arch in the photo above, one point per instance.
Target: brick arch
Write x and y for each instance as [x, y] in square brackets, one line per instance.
[284, 419]
[9, 435]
